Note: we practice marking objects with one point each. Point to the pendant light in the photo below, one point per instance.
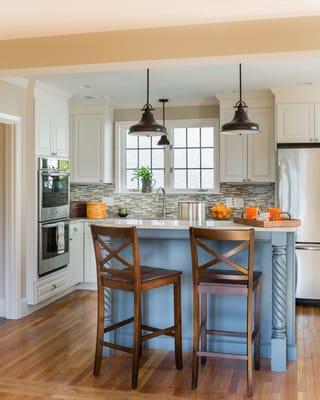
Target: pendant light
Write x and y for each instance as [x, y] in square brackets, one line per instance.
[147, 125]
[164, 141]
[241, 124]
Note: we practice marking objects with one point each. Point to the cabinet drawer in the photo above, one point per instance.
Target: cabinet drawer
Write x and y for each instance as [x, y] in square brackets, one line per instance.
[50, 286]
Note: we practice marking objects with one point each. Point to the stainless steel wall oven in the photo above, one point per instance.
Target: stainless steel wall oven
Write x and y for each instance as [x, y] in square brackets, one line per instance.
[53, 222]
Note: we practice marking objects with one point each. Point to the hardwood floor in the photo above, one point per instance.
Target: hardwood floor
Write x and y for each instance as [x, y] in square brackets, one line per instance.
[49, 355]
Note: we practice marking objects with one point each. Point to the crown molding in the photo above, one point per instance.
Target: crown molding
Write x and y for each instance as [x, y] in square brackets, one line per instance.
[171, 103]
[261, 98]
[17, 81]
[45, 87]
[297, 94]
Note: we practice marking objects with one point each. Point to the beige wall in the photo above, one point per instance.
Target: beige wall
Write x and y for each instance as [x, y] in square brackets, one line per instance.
[2, 211]
[166, 43]
[185, 112]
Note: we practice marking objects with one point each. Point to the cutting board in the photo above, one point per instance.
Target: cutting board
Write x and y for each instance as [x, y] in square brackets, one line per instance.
[285, 223]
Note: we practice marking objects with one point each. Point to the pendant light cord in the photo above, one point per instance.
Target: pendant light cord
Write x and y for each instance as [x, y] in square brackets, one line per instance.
[163, 114]
[240, 102]
[240, 83]
[147, 86]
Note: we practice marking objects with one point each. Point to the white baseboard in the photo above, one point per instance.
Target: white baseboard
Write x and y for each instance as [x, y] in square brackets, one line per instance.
[27, 309]
[2, 308]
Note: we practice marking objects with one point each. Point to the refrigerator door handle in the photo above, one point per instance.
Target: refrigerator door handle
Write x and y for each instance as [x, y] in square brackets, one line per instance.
[307, 247]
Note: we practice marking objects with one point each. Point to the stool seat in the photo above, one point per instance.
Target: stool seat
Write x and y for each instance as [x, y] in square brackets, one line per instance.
[149, 276]
[227, 277]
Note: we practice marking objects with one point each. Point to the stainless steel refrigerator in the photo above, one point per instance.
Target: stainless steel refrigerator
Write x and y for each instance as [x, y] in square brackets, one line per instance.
[299, 193]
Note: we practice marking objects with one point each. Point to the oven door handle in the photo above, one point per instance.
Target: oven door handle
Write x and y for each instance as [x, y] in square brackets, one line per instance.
[46, 173]
[54, 224]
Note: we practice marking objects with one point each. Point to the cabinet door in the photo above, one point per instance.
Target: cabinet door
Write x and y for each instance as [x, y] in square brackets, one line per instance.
[261, 149]
[87, 165]
[76, 254]
[90, 272]
[233, 153]
[295, 123]
[60, 127]
[42, 124]
[317, 123]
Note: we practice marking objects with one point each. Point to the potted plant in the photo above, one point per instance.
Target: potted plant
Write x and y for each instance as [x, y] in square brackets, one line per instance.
[145, 174]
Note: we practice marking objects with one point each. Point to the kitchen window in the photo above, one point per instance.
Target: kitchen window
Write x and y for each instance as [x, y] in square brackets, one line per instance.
[190, 164]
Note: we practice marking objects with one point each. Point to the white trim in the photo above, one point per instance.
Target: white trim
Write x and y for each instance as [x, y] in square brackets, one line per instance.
[122, 126]
[298, 94]
[258, 99]
[2, 308]
[173, 103]
[45, 87]
[16, 80]
[13, 219]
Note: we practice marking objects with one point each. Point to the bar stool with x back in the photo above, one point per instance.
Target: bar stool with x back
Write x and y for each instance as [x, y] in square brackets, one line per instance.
[238, 280]
[131, 277]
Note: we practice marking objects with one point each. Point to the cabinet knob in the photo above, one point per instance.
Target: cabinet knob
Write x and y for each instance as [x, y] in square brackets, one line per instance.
[249, 180]
[243, 180]
[311, 139]
[70, 239]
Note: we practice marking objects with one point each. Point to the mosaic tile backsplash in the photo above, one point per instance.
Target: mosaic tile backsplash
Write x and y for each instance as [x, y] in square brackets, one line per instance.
[145, 205]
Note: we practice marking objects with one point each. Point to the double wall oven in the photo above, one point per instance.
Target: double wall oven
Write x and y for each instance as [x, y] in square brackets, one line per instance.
[53, 215]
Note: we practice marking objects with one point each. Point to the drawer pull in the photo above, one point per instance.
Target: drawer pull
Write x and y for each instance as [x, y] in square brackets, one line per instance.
[54, 286]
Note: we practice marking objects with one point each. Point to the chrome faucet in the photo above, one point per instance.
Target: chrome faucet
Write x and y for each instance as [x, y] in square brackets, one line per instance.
[161, 189]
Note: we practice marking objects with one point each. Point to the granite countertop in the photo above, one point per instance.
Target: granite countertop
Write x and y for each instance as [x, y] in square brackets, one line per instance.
[177, 224]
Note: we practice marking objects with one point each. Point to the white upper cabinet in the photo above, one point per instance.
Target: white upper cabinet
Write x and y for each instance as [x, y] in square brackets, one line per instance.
[50, 122]
[91, 133]
[233, 153]
[60, 127]
[317, 122]
[295, 123]
[87, 165]
[261, 148]
[248, 158]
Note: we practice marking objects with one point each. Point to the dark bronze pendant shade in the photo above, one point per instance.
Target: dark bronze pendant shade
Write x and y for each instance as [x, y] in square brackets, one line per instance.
[241, 124]
[164, 141]
[147, 125]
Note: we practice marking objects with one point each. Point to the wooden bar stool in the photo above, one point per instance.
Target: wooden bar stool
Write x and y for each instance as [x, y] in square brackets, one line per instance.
[238, 280]
[134, 278]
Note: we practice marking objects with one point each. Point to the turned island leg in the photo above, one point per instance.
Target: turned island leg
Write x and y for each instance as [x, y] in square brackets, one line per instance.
[279, 303]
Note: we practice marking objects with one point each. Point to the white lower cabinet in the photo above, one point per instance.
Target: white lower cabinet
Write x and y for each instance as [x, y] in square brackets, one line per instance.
[90, 273]
[50, 285]
[76, 253]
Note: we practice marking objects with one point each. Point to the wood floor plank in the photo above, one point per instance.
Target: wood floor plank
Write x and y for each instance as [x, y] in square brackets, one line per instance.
[49, 355]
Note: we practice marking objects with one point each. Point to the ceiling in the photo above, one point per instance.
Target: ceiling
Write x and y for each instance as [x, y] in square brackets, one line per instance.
[21, 18]
[189, 83]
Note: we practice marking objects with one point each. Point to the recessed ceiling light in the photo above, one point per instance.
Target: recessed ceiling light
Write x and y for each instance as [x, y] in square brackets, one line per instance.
[85, 87]
[89, 97]
[109, 97]
[229, 91]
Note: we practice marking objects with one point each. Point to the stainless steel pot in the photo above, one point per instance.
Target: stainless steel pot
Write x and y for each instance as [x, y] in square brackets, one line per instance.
[194, 211]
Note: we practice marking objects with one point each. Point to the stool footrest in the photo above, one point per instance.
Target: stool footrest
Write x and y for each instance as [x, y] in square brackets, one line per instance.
[232, 334]
[157, 332]
[118, 347]
[225, 333]
[222, 355]
[118, 325]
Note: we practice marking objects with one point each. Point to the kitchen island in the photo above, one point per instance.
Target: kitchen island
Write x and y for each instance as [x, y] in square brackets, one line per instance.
[165, 243]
